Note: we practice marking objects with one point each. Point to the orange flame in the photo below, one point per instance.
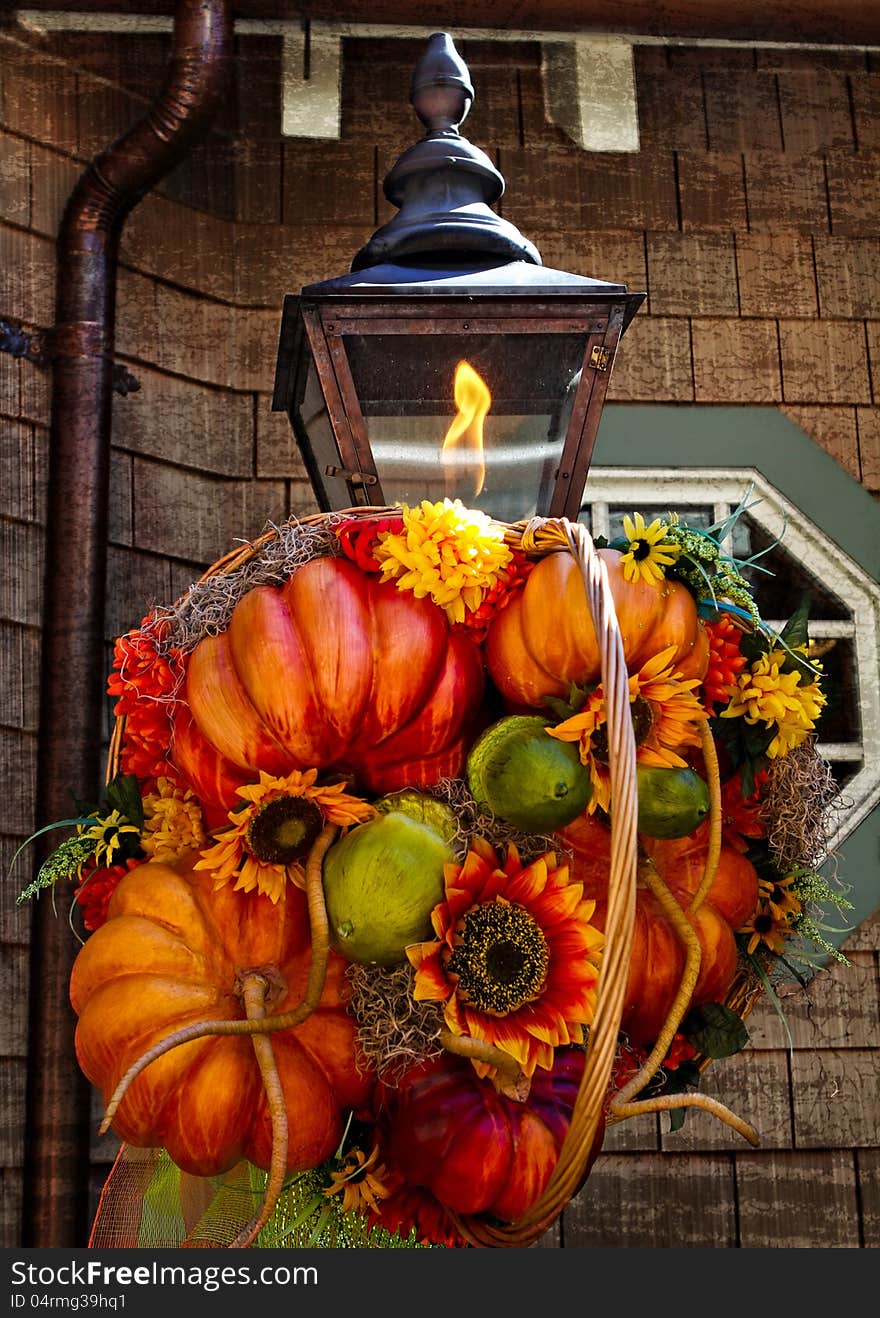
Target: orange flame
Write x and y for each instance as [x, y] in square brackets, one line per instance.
[462, 452]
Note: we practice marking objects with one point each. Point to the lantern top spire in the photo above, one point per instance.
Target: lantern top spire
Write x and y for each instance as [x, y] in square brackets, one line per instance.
[444, 186]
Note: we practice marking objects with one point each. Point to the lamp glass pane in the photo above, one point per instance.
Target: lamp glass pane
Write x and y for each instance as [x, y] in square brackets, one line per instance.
[498, 452]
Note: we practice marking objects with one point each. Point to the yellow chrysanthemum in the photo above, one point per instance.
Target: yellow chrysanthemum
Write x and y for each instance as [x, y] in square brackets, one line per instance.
[452, 554]
[766, 694]
[173, 822]
[108, 833]
[274, 831]
[649, 552]
[666, 716]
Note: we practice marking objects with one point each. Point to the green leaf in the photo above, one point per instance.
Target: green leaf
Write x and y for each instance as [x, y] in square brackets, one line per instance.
[715, 1030]
[123, 794]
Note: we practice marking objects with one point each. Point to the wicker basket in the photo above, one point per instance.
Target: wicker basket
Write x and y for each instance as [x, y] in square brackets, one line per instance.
[592, 1108]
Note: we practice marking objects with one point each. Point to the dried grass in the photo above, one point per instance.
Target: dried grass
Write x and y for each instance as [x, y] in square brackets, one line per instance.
[394, 1032]
[801, 807]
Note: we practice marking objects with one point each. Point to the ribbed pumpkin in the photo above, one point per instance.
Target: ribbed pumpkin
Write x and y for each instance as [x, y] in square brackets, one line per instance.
[170, 954]
[334, 669]
[474, 1150]
[545, 639]
[658, 956]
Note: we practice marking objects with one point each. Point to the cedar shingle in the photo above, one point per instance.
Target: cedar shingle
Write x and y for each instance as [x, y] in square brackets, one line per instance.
[868, 421]
[742, 111]
[671, 109]
[255, 108]
[327, 183]
[692, 274]
[865, 91]
[23, 461]
[544, 188]
[835, 1098]
[204, 178]
[20, 692]
[848, 273]
[186, 423]
[711, 192]
[194, 337]
[137, 317]
[39, 97]
[35, 385]
[186, 515]
[257, 175]
[642, 1201]
[824, 360]
[255, 347]
[815, 110]
[375, 93]
[53, 179]
[778, 1202]
[119, 500]
[21, 584]
[277, 450]
[135, 583]
[180, 244]
[833, 429]
[27, 276]
[628, 191]
[319, 254]
[616, 257]
[15, 180]
[653, 362]
[786, 192]
[776, 274]
[736, 361]
[103, 113]
[265, 264]
[854, 194]
[754, 1086]
[868, 1166]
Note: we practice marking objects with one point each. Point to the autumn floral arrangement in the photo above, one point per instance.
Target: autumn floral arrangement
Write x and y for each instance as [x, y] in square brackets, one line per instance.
[344, 903]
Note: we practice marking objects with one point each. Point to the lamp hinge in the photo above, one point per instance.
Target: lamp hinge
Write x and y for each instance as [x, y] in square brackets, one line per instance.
[600, 358]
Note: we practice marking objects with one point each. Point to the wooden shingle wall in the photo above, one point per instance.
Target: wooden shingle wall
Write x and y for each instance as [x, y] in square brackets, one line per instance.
[751, 216]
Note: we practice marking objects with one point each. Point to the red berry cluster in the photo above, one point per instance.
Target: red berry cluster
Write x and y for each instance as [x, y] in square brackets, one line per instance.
[510, 580]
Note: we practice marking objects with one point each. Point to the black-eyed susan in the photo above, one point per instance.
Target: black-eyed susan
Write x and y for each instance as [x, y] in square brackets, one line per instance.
[766, 929]
[360, 1179]
[778, 896]
[649, 552]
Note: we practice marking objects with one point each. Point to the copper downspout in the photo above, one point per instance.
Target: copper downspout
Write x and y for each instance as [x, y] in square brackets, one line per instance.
[56, 1170]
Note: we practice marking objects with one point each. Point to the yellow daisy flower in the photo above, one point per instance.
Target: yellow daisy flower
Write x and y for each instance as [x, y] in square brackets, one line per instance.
[649, 552]
[778, 898]
[452, 554]
[766, 928]
[273, 833]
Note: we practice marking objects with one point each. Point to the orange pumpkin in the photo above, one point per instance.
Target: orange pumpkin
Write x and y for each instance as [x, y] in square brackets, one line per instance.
[334, 669]
[658, 957]
[170, 955]
[545, 639]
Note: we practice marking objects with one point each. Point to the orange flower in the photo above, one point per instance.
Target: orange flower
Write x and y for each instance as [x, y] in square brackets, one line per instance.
[516, 958]
[273, 833]
[361, 1182]
[145, 681]
[725, 661]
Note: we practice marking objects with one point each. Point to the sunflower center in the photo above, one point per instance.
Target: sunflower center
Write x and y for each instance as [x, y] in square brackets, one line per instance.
[283, 830]
[641, 549]
[763, 924]
[500, 957]
[643, 720]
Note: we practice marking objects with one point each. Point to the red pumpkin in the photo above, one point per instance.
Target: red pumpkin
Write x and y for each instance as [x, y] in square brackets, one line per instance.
[170, 955]
[545, 640]
[332, 670]
[450, 1133]
[658, 957]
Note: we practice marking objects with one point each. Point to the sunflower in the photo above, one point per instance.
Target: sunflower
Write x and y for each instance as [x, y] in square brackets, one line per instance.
[666, 717]
[272, 834]
[361, 1182]
[111, 834]
[649, 552]
[515, 961]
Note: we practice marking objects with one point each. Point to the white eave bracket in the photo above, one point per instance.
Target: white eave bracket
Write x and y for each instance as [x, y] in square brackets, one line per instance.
[589, 83]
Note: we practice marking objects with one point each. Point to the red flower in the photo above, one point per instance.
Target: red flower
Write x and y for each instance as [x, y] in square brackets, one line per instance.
[358, 537]
[411, 1207]
[145, 683]
[680, 1050]
[96, 888]
[740, 816]
[725, 661]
